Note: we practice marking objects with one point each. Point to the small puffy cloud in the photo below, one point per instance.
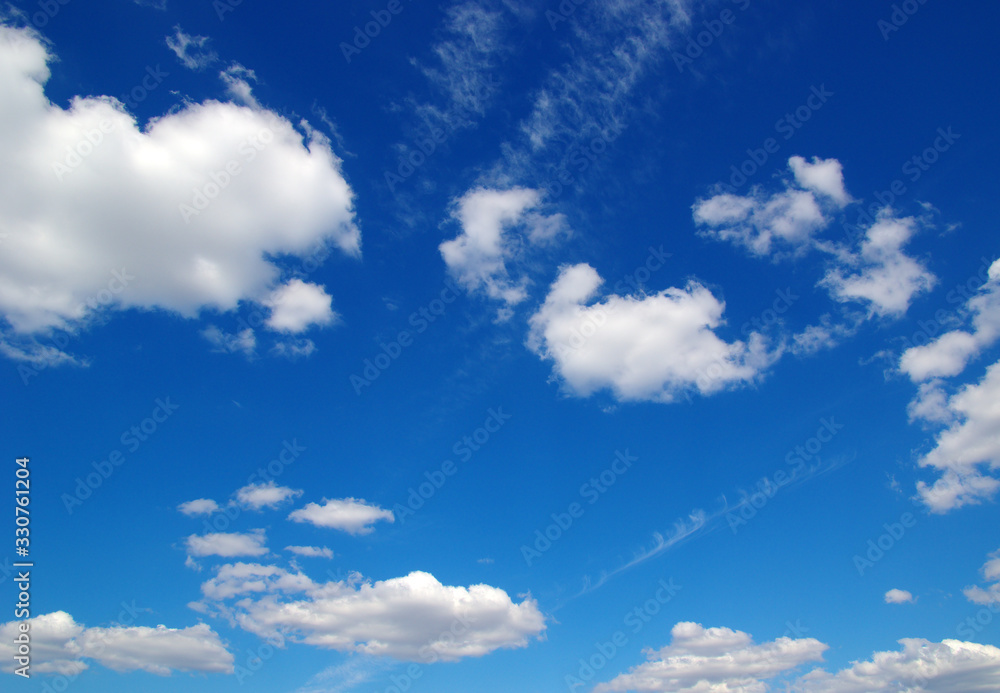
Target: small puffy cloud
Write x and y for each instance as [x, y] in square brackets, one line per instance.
[826, 334]
[236, 579]
[237, 80]
[880, 273]
[148, 216]
[945, 356]
[653, 347]
[948, 354]
[967, 449]
[201, 506]
[298, 305]
[228, 544]
[192, 51]
[413, 618]
[931, 404]
[292, 349]
[895, 596]
[921, 666]
[823, 176]
[494, 223]
[60, 645]
[310, 551]
[716, 660]
[242, 342]
[351, 515]
[267, 495]
[781, 222]
[991, 574]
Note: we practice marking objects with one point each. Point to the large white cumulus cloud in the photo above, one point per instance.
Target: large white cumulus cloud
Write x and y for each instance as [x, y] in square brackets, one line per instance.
[186, 214]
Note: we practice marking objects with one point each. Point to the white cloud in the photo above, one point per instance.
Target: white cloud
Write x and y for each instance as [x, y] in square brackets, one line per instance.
[720, 660]
[227, 545]
[352, 515]
[784, 221]
[945, 356]
[931, 404]
[237, 79]
[471, 45]
[60, 645]
[53, 649]
[715, 660]
[292, 349]
[192, 51]
[412, 618]
[881, 274]
[297, 305]
[878, 273]
[654, 347]
[991, 573]
[201, 506]
[971, 441]
[157, 650]
[824, 335]
[235, 579]
[243, 342]
[584, 104]
[896, 596]
[267, 495]
[949, 353]
[151, 219]
[311, 551]
[494, 223]
[921, 667]
[823, 176]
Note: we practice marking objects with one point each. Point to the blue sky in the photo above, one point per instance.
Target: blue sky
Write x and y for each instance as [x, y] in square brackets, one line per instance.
[394, 346]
